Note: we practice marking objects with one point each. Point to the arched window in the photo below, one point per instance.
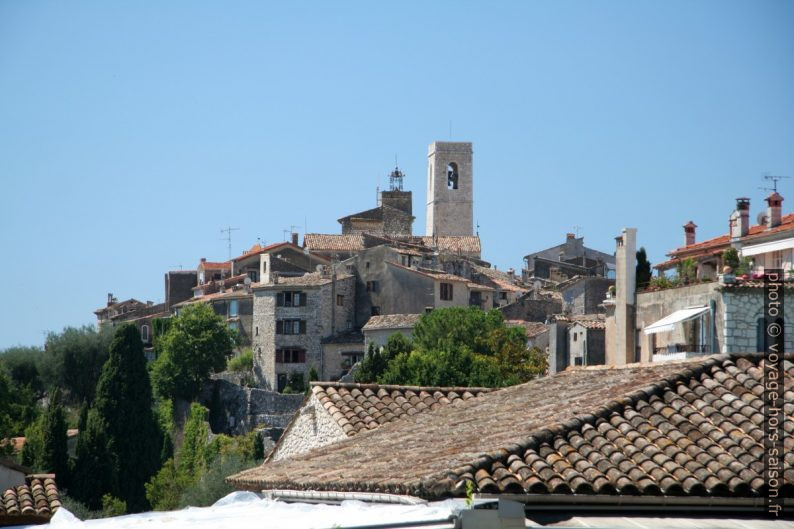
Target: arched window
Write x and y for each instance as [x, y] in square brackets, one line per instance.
[145, 333]
[452, 175]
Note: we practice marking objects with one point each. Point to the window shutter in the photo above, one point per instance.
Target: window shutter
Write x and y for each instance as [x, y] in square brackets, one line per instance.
[280, 299]
[450, 291]
[303, 327]
[279, 327]
[301, 356]
[303, 299]
[279, 356]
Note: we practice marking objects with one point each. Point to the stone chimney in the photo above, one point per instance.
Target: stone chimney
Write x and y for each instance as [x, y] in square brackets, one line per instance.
[265, 275]
[203, 259]
[295, 238]
[740, 218]
[570, 236]
[110, 298]
[774, 211]
[689, 233]
[622, 347]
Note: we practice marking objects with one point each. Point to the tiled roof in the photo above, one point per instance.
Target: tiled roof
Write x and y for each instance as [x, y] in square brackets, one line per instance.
[32, 503]
[690, 428]
[257, 249]
[392, 321]
[313, 279]
[375, 214]
[320, 242]
[432, 274]
[360, 407]
[208, 265]
[532, 328]
[591, 324]
[217, 283]
[453, 243]
[716, 244]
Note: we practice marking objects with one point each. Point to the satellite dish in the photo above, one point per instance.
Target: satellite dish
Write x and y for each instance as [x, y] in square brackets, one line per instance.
[761, 218]
[247, 280]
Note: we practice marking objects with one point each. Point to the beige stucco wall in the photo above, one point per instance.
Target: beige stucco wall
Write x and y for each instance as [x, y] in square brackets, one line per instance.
[311, 428]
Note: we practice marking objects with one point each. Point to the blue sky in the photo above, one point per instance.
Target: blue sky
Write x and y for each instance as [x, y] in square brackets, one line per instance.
[132, 132]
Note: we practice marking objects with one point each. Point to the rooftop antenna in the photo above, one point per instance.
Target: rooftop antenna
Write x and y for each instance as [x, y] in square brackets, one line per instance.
[174, 266]
[774, 179]
[228, 231]
[478, 228]
[450, 130]
[576, 229]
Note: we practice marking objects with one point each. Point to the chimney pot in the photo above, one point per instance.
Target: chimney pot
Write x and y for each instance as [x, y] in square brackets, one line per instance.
[203, 259]
[774, 211]
[570, 236]
[740, 219]
[689, 233]
[295, 238]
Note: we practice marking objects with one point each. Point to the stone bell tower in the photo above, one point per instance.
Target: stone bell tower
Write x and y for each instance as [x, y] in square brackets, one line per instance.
[449, 189]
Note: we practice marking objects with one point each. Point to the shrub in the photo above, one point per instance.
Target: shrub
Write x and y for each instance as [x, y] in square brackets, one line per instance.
[243, 362]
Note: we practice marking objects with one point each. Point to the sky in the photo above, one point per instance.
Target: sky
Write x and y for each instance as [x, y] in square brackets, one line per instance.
[131, 133]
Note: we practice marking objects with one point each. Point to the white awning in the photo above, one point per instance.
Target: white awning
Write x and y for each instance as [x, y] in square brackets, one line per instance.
[774, 246]
[668, 322]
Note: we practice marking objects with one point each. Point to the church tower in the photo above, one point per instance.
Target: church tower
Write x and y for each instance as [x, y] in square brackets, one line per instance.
[449, 189]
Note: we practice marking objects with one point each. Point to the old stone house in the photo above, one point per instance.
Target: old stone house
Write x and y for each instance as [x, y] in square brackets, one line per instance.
[234, 304]
[212, 271]
[567, 260]
[285, 258]
[537, 333]
[576, 340]
[584, 294]
[336, 411]
[341, 352]
[378, 329]
[292, 317]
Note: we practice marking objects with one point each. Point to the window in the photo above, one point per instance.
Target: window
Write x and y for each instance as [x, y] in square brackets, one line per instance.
[446, 291]
[405, 260]
[254, 275]
[502, 295]
[452, 176]
[777, 260]
[233, 308]
[256, 330]
[577, 361]
[282, 382]
[340, 300]
[372, 286]
[375, 311]
[291, 327]
[145, 333]
[291, 299]
[366, 265]
[574, 337]
[290, 355]
[233, 325]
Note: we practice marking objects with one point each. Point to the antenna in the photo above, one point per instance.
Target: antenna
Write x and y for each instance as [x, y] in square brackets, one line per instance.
[450, 130]
[228, 231]
[174, 266]
[478, 228]
[774, 179]
[576, 229]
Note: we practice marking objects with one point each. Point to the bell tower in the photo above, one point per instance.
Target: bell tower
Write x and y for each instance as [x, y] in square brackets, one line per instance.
[449, 189]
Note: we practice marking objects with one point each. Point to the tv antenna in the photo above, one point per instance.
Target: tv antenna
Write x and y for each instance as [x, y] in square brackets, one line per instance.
[174, 266]
[228, 231]
[576, 229]
[774, 179]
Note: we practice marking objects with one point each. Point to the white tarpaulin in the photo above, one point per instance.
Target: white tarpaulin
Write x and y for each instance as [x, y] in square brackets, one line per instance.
[767, 247]
[668, 322]
[246, 510]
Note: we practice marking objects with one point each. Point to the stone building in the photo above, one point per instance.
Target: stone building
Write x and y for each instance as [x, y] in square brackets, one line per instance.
[341, 352]
[576, 340]
[450, 189]
[584, 295]
[292, 317]
[379, 328]
[285, 258]
[212, 271]
[567, 260]
[234, 304]
[392, 217]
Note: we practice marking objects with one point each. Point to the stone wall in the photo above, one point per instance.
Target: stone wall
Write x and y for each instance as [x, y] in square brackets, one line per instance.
[311, 428]
[336, 364]
[586, 344]
[528, 309]
[236, 410]
[743, 307]
[585, 295]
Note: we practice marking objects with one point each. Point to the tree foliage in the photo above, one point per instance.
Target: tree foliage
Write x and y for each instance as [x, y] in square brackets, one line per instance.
[196, 344]
[376, 360]
[73, 361]
[643, 269]
[45, 447]
[121, 447]
[459, 347]
[18, 409]
[23, 365]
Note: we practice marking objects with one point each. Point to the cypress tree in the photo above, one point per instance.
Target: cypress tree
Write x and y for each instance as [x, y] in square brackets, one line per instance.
[122, 434]
[55, 456]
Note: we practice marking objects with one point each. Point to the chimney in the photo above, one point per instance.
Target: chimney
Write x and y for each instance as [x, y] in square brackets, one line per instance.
[740, 219]
[265, 275]
[774, 212]
[110, 298]
[570, 237]
[512, 273]
[295, 238]
[625, 279]
[689, 233]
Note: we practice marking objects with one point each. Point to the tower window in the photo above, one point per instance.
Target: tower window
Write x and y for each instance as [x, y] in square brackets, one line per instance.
[452, 175]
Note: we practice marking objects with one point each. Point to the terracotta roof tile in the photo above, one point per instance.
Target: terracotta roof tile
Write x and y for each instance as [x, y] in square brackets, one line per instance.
[532, 328]
[32, 503]
[359, 407]
[690, 428]
[320, 242]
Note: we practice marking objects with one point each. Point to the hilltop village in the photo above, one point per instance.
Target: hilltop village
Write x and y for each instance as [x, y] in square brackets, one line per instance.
[651, 388]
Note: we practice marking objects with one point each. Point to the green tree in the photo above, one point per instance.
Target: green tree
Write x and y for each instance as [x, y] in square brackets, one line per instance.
[55, 456]
[18, 409]
[730, 257]
[376, 360]
[23, 365]
[73, 361]
[122, 439]
[643, 269]
[464, 347]
[196, 344]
